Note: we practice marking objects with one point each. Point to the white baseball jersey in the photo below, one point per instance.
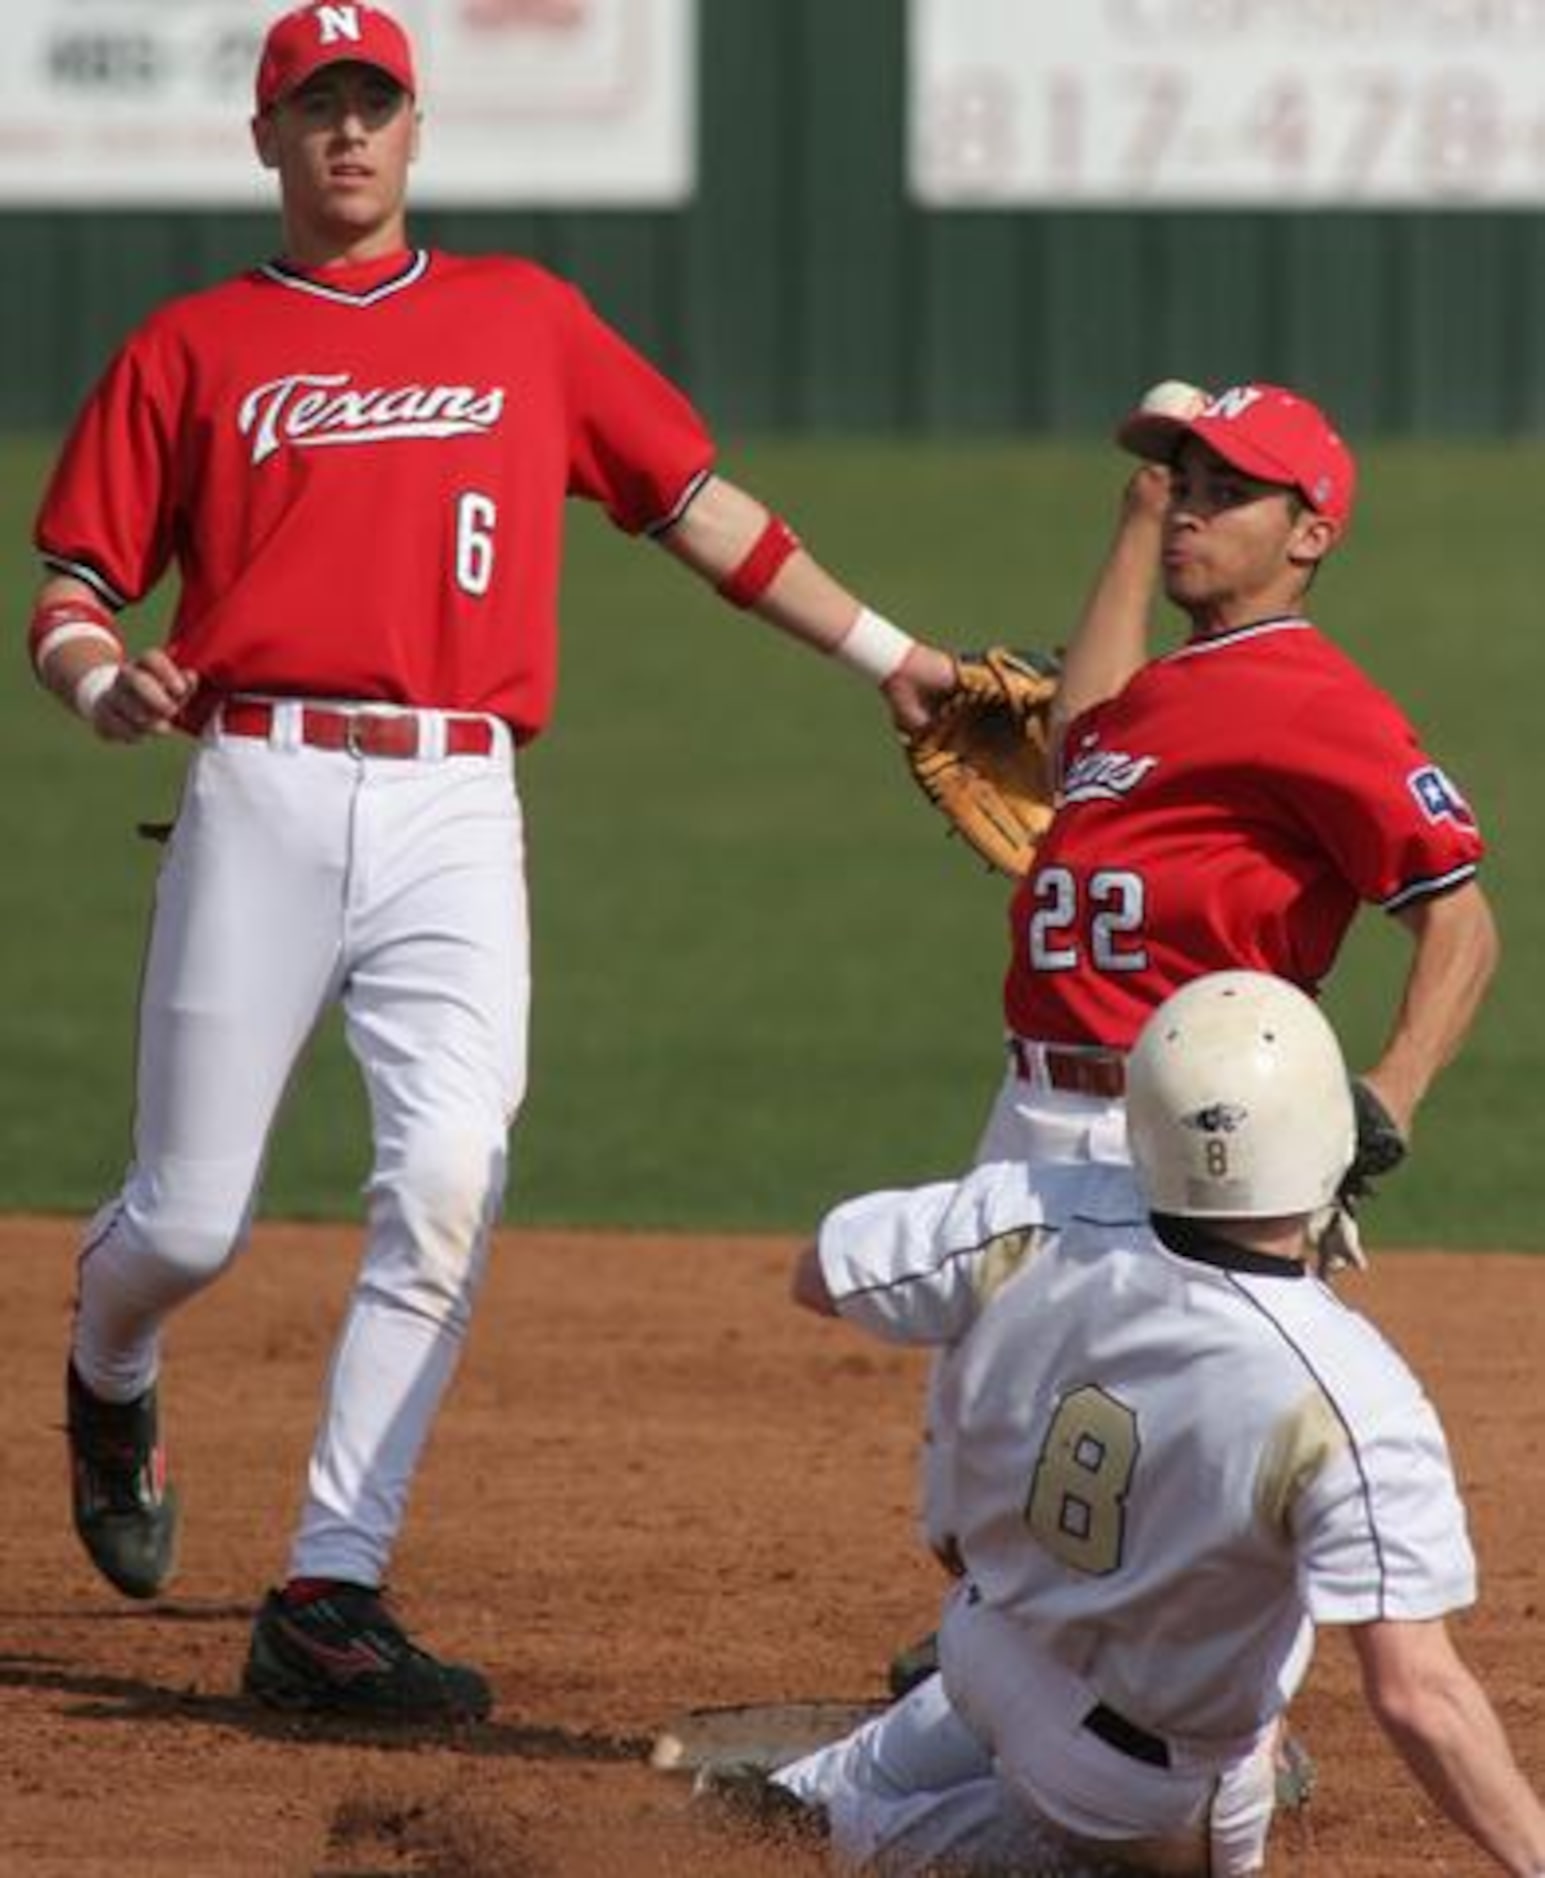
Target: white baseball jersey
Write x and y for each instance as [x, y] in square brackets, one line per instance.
[1169, 1458]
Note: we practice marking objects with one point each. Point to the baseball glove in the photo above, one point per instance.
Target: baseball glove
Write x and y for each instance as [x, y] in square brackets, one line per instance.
[1380, 1145]
[1379, 1150]
[984, 760]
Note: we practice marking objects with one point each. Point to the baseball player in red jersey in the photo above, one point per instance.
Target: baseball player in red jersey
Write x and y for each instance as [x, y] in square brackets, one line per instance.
[1177, 1454]
[356, 458]
[1231, 803]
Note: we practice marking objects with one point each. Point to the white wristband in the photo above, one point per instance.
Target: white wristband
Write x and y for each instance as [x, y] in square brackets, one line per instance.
[67, 634]
[873, 647]
[91, 687]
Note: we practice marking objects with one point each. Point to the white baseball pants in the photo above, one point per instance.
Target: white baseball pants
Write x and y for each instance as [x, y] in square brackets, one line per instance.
[297, 878]
[1206, 1815]
[1030, 1122]
[988, 1768]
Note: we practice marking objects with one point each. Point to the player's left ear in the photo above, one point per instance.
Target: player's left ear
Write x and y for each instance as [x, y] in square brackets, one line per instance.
[418, 132]
[1313, 538]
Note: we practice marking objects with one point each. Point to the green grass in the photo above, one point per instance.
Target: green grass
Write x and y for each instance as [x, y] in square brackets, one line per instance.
[764, 978]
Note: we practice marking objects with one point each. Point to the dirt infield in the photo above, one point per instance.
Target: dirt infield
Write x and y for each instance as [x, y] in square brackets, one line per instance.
[655, 1485]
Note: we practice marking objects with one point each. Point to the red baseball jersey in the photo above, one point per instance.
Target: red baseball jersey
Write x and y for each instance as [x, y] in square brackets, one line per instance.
[1231, 807]
[360, 475]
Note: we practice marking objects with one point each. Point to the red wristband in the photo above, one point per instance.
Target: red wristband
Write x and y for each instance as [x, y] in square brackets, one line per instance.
[53, 623]
[745, 584]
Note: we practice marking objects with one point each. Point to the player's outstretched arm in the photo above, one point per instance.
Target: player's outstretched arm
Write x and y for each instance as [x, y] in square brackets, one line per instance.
[1439, 1720]
[78, 656]
[753, 559]
[1110, 641]
[1457, 949]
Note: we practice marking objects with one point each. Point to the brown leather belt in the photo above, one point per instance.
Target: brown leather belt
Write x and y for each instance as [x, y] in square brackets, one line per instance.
[1075, 1072]
[360, 730]
[1126, 1737]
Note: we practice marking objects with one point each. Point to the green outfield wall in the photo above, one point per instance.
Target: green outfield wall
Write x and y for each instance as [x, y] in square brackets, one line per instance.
[801, 291]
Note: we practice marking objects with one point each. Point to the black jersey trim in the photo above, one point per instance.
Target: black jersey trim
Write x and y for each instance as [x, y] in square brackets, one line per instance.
[1304, 1358]
[1429, 888]
[1190, 1239]
[284, 275]
[1048, 1228]
[88, 576]
[654, 530]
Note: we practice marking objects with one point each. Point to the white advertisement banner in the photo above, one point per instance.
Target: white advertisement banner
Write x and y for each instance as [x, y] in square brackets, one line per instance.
[526, 102]
[1229, 103]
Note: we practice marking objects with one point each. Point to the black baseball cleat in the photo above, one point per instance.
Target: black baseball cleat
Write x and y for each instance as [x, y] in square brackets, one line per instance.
[1296, 1773]
[342, 1653]
[913, 1665]
[125, 1508]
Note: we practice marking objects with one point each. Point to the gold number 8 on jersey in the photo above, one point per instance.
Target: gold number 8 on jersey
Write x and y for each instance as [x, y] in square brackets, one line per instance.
[1077, 1503]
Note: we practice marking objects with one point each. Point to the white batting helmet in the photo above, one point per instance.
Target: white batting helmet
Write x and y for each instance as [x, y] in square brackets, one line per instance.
[1238, 1103]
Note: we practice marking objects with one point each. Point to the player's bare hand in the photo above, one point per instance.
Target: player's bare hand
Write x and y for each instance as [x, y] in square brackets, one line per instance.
[144, 700]
[926, 678]
[1146, 496]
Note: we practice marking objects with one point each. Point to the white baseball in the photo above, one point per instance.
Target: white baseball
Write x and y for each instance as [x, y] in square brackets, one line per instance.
[1173, 397]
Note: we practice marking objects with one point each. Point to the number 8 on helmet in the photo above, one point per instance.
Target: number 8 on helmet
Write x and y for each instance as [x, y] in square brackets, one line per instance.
[1238, 1102]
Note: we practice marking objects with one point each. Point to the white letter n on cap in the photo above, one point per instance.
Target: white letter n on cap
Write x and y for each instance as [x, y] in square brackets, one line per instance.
[338, 23]
[1234, 403]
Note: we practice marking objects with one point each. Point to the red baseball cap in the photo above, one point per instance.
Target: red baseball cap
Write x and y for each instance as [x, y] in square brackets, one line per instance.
[303, 41]
[1265, 431]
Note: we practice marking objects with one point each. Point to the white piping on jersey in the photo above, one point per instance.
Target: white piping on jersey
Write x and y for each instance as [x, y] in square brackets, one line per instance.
[340, 296]
[679, 508]
[1215, 642]
[88, 576]
[1425, 889]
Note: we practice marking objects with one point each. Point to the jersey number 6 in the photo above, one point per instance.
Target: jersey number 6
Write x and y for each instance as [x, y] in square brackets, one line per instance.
[475, 518]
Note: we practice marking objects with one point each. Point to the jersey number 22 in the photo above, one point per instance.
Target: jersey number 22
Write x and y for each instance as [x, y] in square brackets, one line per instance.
[1112, 910]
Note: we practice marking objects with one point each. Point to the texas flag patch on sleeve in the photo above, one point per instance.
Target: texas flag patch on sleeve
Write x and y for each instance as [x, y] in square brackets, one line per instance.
[1440, 800]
